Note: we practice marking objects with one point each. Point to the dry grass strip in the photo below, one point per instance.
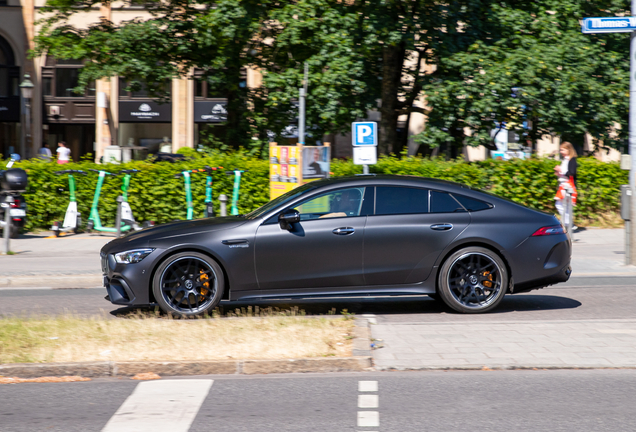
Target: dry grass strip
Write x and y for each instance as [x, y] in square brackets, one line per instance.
[147, 337]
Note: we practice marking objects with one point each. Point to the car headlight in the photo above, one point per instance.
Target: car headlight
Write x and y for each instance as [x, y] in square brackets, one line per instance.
[132, 256]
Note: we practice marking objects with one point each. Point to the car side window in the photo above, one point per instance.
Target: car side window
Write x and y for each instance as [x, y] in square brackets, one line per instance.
[442, 202]
[340, 203]
[400, 200]
[472, 204]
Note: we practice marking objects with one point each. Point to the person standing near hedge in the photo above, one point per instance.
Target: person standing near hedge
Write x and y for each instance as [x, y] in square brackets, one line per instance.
[566, 173]
[63, 153]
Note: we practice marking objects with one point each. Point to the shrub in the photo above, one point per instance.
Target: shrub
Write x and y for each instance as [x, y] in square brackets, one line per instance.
[155, 194]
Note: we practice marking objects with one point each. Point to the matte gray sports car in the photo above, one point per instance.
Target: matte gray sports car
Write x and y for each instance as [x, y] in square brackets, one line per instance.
[362, 235]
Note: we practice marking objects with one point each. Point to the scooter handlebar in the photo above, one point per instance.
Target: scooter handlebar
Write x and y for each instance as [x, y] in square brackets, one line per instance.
[131, 171]
[232, 172]
[98, 171]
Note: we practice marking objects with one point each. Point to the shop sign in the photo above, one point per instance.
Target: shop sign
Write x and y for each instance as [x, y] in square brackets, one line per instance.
[144, 112]
[210, 111]
[10, 110]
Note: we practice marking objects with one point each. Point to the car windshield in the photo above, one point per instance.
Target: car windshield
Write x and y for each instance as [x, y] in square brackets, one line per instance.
[280, 201]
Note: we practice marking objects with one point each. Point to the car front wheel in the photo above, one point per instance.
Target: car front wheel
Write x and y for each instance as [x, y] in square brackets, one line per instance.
[188, 284]
[473, 280]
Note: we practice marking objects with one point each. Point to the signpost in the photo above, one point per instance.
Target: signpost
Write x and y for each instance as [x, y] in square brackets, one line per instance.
[365, 144]
[622, 25]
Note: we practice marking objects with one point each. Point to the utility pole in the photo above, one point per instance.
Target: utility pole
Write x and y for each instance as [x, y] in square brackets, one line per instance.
[632, 137]
[301, 107]
[624, 24]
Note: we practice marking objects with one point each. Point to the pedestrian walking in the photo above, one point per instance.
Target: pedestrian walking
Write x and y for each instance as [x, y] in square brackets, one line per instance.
[566, 173]
[63, 153]
[45, 152]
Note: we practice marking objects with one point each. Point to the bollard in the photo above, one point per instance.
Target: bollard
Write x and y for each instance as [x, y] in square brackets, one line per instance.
[120, 199]
[7, 223]
[223, 201]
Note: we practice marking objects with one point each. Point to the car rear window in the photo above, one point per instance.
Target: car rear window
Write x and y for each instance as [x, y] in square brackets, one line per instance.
[472, 204]
[400, 200]
[442, 202]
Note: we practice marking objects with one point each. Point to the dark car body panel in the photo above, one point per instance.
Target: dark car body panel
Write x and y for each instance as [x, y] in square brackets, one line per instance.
[384, 254]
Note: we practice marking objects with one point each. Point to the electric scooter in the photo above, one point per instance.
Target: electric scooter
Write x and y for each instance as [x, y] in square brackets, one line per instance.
[209, 207]
[72, 218]
[235, 190]
[13, 182]
[127, 218]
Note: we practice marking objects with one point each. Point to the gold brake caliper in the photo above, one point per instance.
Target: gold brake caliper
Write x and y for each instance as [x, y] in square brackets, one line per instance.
[487, 283]
[206, 285]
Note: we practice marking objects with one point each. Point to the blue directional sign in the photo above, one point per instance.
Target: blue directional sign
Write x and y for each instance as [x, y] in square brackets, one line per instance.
[364, 134]
[609, 25]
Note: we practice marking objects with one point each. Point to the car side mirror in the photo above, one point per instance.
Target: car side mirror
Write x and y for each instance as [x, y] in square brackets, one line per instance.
[287, 218]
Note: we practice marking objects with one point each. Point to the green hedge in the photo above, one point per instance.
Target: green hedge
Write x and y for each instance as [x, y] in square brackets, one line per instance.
[155, 194]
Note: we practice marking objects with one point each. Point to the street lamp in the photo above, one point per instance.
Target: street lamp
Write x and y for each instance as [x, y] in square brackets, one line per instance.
[26, 89]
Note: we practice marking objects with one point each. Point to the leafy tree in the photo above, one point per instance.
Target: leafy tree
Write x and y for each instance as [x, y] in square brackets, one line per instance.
[216, 36]
[527, 61]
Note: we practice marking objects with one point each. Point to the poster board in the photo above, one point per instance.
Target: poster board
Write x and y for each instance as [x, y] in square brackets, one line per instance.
[292, 166]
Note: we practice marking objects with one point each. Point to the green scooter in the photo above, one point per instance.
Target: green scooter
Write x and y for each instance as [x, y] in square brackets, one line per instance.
[209, 207]
[127, 218]
[72, 218]
[235, 190]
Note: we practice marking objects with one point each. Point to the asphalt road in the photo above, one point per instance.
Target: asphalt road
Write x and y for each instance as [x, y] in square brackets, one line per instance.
[582, 298]
[559, 400]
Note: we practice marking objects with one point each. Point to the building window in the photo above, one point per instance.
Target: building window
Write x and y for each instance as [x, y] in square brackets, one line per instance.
[61, 77]
[9, 73]
[204, 90]
[143, 92]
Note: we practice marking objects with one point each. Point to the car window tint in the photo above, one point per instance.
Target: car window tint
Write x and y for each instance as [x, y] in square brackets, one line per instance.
[441, 202]
[341, 203]
[472, 204]
[400, 200]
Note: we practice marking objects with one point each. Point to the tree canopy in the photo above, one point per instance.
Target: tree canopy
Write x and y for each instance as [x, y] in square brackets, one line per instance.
[474, 63]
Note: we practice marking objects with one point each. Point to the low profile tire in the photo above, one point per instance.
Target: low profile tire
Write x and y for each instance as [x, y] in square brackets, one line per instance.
[473, 280]
[188, 284]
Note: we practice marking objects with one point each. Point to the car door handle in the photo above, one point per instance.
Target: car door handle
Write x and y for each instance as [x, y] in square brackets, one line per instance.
[442, 227]
[343, 231]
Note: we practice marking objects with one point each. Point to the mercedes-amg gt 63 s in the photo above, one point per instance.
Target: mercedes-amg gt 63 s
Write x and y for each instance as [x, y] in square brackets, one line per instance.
[372, 235]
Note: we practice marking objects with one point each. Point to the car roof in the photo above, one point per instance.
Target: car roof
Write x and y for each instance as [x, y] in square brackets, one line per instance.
[390, 179]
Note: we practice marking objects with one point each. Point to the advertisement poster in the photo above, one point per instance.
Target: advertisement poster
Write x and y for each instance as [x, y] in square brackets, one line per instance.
[283, 169]
[316, 162]
[291, 166]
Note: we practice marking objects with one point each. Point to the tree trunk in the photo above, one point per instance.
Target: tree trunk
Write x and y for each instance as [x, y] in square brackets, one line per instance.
[391, 75]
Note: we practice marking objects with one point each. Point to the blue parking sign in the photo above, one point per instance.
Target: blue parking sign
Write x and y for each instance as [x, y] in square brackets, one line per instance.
[364, 134]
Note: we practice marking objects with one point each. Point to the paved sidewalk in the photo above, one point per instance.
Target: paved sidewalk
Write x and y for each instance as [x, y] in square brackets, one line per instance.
[505, 345]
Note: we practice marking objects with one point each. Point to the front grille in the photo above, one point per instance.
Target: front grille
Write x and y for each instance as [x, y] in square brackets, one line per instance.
[104, 259]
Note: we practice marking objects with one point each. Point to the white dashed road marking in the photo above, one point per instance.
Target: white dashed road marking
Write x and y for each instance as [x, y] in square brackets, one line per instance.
[367, 386]
[368, 418]
[160, 406]
[367, 401]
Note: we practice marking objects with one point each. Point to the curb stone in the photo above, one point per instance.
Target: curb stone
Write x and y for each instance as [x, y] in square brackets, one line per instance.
[52, 281]
[359, 362]
[184, 368]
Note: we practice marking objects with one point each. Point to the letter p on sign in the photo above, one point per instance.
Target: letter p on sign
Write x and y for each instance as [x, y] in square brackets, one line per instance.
[364, 134]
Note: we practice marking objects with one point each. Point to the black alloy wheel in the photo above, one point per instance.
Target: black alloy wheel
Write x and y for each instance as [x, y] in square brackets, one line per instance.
[188, 284]
[473, 280]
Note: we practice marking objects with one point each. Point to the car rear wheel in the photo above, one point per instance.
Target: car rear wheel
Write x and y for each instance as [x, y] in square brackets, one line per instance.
[188, 284]
[473, 280]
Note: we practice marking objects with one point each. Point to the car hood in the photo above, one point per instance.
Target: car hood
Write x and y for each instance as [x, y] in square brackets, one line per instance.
[147, 236]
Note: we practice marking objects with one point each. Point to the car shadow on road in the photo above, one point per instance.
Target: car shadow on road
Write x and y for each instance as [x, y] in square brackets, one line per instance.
[405, 305]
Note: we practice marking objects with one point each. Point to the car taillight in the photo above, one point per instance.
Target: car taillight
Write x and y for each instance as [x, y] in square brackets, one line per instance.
[549, 230]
